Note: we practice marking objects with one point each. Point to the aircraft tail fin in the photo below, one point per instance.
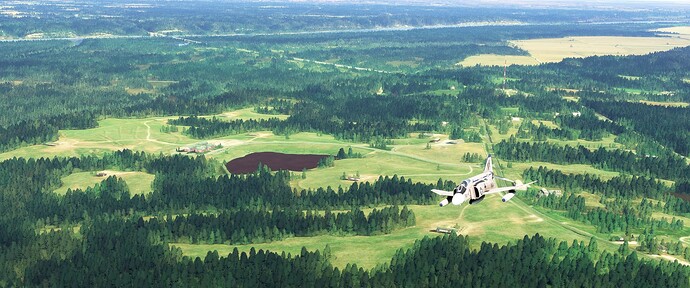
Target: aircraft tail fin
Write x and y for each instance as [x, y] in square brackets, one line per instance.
[488, 166]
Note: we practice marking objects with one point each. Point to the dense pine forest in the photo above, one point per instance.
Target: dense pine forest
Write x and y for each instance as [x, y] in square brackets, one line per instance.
[611, 135]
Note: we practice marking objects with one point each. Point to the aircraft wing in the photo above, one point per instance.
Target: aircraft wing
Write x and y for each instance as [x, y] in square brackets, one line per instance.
[520, 186]
[442, 192]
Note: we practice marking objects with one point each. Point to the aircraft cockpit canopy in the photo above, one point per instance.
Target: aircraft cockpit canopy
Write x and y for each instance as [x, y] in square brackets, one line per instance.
[461, 188]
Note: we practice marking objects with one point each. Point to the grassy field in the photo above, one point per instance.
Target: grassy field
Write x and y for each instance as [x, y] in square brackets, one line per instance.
[679, 31]
[409, 63]
[246, 114]
[633, 78]
[453, 92]
[518, 168]
[606, 142]
[556, 49]
[384, 163]
[666, 104]
[137, 134]
[549, 124]
[498, 137]
[111, 135]
[497, 60]
[138, 182]
[490, 221]
[408, 157]
[591, 200]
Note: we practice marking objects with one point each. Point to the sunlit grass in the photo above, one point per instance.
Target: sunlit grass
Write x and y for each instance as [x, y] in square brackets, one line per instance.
[489, 221]
[138, 182]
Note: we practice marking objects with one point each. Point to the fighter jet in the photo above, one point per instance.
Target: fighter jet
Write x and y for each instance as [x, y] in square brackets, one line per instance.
[475, 188]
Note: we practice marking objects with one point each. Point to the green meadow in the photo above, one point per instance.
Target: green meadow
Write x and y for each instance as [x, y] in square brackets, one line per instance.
[414, 158]
[490, 221]
[138, 182]
[112, 134]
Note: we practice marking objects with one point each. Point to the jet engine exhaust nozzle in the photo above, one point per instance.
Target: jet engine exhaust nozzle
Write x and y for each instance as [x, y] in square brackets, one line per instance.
[507, 197]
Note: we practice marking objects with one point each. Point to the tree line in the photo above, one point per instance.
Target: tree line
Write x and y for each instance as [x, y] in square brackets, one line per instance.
[618, 186]
[609, 220]
[246, 226]
[586, 126]
[671, 167]
[181, 184]
[438, 261]
[667, 125]
[214, 127]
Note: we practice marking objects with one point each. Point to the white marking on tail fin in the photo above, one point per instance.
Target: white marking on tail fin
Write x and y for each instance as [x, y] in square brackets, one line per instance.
[488, 166]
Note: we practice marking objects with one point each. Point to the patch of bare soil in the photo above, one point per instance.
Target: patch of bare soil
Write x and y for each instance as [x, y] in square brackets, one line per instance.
[275, 161]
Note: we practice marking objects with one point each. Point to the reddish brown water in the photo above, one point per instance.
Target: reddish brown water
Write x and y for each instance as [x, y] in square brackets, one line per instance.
[275, 161]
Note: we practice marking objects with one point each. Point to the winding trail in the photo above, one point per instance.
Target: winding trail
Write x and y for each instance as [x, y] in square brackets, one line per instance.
[148, 136]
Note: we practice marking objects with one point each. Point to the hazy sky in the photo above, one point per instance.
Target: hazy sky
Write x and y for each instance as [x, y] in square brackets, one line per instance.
[529, 3]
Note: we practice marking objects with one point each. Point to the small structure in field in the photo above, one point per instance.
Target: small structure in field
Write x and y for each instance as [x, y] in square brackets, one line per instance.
[445, 230]
[435, 140]
[617, 239]
[201, 147]
[101, 174]
[544, 192]
[353, 179]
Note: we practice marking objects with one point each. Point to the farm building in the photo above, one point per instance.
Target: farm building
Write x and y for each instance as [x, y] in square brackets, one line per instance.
[201, 147]
[544, 192]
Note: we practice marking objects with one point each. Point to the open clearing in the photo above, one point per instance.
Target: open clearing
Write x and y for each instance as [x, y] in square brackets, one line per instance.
[497, 60]
[138, 182]
[111, 135]
[549, 124]
[666, 104]
[143, 134]
[246, 114]
[678, 32]
[490, 221]
[519, 167]
[408, 158]
[556, 49]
